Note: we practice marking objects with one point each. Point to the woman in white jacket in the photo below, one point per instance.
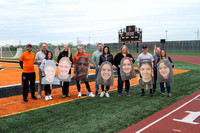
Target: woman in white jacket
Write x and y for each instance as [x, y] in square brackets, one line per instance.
[49, 56]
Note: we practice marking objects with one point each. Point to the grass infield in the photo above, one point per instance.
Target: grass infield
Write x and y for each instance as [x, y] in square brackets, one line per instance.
[103, 114]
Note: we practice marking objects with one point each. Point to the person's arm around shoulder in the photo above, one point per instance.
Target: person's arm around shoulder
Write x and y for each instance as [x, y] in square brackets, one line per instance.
[94, 59]
[171, 61]
[21, 61]
[59, 57]
[42, 65]
[116, 60]
[37, 58]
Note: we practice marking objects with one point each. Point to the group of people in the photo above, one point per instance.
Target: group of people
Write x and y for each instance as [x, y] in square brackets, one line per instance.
[104, 62]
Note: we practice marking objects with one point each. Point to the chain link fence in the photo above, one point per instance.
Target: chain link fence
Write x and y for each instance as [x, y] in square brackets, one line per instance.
[172, 47]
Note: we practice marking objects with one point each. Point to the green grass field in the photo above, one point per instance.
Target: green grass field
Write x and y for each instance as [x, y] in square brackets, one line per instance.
[106, 115]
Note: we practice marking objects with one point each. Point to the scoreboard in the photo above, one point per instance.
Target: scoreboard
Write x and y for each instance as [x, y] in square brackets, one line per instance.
[130, 35]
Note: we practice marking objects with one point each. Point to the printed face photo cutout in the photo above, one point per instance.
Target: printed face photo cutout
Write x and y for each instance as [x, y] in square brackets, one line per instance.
[165, 72]
[145, 69]
[127, 69]
[105, 75]
[64, 67]
[50, 70]
[81, 69]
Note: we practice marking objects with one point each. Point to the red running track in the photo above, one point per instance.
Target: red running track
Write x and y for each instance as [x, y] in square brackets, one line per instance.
[181, 117]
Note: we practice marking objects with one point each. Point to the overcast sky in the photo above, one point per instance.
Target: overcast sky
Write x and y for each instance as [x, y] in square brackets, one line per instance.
[91, 21]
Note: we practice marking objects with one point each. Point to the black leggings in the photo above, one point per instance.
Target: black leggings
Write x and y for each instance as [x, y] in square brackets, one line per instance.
[26, 77]
[79, 87]
[107, 88]
[65, 88]
[47, 89]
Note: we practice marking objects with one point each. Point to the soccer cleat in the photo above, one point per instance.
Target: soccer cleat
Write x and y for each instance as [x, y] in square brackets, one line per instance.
[128, 94]
[68, 95]
[169, 95]
[102, 94]
[79, 94]
[33, 97]
[119, 94]
[50, 97]
[142, 94]
[25, 100]
[46, 97]
[64, 96]
[107, 94]
[39, 96]
[91, 94]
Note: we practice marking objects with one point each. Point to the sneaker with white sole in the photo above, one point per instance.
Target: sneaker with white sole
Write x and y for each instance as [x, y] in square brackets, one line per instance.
[46, 97]
[79, 94]
[39, 96]
[50, 97]
[91, 94]
[107, 95]
[102, 94]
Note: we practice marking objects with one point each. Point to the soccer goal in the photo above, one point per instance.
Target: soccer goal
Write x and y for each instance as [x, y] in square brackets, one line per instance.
[18, 53]
[5, 51]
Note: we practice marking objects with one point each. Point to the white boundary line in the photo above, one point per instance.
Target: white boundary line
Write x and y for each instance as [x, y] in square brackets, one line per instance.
[166, 115]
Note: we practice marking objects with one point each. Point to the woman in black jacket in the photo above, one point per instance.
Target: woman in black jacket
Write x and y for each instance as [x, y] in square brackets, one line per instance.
[123, 53]
[106, 56]
[65, 53]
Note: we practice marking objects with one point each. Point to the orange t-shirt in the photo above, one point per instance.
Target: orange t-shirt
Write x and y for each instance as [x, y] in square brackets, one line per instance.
[77, 56]
[28, 62]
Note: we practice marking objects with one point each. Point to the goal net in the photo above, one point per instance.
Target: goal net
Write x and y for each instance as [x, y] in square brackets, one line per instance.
[18, 53]
[5, 52]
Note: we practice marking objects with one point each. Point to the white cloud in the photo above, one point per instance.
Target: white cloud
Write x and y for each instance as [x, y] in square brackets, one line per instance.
[50, 20]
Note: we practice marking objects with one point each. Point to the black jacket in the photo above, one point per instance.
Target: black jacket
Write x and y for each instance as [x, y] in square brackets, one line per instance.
[103, 58]
[64, 54]
[168, 59]
[118, 59]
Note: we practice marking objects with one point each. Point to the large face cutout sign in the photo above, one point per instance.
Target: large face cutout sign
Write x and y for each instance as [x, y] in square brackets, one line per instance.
[81, 69]
[105, 75]
[64, 66]
[50, 70]
[165, 72]
[127, 69]
[145, 69]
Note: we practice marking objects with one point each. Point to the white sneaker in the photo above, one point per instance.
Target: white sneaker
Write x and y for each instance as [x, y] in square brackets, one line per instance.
[79, 94]
[102, 94]
[46, 97]
[39, 96]
[91, 94]
[50, 97]
[107, 95]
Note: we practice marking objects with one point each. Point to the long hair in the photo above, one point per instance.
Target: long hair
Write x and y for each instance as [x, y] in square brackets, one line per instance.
[78, 48]
[104, 49]
[127, 51]
[77, 72]
[132, 73]
[46, 56]
[100, 80]
[170, 76]
[166, 57]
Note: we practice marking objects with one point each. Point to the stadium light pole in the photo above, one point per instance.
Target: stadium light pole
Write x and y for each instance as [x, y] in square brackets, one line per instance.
[166, 35]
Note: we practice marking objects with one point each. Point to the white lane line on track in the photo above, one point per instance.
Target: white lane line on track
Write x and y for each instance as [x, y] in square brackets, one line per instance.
[139, 131]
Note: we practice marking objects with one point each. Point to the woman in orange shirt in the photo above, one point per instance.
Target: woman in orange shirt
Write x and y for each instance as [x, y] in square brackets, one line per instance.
[80, 53]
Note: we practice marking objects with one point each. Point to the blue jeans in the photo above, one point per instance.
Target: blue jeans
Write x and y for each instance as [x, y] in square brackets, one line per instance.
[155, 78]
[120, 85]
[163, 88]
[96, 85]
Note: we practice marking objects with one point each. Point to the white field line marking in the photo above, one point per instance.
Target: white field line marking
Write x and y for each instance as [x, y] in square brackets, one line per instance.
[176, 130]
[166, 115]
[13, 85]
[54, 94]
